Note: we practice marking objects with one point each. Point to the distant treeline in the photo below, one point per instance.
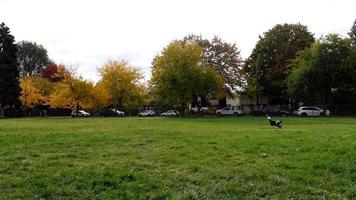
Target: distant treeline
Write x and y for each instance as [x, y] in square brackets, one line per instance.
[288, 63]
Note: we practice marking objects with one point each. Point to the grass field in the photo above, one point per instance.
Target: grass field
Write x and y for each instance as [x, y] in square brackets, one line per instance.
[177, 158]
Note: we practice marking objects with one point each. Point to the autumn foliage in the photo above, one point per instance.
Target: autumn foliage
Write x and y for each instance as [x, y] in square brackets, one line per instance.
[30, 94]
[74, 93]
[122, 82]
[55, 73]
[60, 87]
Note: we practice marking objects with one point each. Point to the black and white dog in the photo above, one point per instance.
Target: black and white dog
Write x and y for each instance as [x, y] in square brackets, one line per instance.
[274, 123]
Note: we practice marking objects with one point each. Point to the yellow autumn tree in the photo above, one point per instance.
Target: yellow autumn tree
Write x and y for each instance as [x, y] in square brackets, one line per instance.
[123, 83]
[30, 95]
[44, 86]
[73, 94]
[100, 97]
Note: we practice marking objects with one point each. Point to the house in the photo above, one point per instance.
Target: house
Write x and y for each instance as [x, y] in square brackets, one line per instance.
[244, 100]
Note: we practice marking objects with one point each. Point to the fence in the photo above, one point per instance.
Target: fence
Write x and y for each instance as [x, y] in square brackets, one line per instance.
[342, 109]
[335, 110]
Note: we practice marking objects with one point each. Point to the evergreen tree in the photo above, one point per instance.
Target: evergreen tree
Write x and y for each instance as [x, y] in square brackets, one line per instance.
[9, 71]
[352, 34]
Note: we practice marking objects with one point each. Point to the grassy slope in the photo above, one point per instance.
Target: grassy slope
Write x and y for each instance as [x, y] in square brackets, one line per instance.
[156, 158]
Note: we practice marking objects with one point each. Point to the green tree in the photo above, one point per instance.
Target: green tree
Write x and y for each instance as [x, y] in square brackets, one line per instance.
[9, 72]
[224, 58]
[327, 68]
[300, 81]
[179, 78]
[268, 65]
[32, 58]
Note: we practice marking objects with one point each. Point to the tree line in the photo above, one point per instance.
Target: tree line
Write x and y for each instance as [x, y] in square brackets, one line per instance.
[29, 79]
[59, 87]
[288, 64]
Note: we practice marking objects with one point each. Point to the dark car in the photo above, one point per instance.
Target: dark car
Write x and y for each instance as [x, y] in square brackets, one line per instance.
[111, 113]
[275, 110]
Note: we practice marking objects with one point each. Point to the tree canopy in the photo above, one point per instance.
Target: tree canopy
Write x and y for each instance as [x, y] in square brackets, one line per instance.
[123, 83]
[74, 93]
[55, 73]
[224, 58]
[30, 94]
[268, 66]
[32, 58]
[322, 71]
[179, 78]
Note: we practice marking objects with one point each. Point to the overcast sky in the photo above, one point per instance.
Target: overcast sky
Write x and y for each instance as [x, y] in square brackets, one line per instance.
[86, 33]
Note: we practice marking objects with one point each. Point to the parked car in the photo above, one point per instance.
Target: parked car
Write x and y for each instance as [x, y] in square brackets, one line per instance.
[203, 109]
[311, 111]
[229, 111]
[146, 113]
[170, 113]
[112, 113]
[275, 110]
[121, 113]
[80, 113]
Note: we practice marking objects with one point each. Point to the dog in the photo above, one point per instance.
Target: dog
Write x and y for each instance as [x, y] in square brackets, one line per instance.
[276, 123]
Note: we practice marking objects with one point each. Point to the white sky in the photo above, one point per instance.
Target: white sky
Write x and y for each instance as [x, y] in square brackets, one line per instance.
[86, 33]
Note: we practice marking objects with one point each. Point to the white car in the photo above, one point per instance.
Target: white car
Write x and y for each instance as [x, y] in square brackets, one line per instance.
[229, 111]
[311, 111]
[170, 113]
[203, 109]
[80, 113]
[146, 113]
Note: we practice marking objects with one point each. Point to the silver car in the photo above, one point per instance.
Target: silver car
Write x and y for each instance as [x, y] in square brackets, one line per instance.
[146, 113]
[80, 113]
[172, 113]
[311, 111]
[229, 111]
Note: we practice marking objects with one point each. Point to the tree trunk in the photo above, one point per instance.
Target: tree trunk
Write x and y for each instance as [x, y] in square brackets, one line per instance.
[2, 111]
[182, 108]
[120, 102]
[77, 112]
[26, 111]
[326, 100]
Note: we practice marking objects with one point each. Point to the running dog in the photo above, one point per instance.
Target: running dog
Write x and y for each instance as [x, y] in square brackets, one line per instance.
[277, 123]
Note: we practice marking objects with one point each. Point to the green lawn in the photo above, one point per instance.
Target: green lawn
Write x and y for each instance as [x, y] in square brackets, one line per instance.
[177, 158]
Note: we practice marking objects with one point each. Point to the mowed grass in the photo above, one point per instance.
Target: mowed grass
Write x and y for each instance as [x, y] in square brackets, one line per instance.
[177, 158]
